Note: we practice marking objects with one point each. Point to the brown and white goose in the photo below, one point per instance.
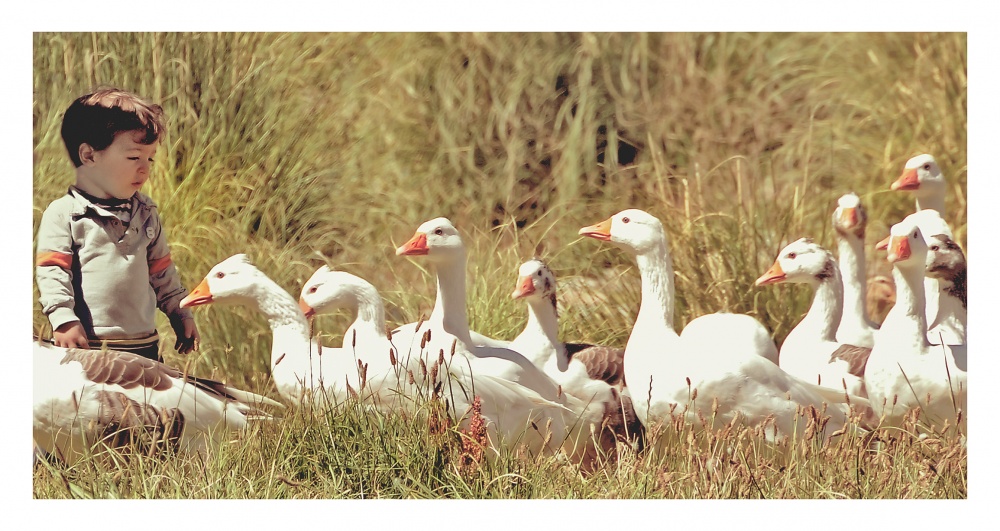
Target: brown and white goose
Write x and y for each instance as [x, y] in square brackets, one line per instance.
[905, 371]
[721, 375]
[946, 263]
[119, 399]
[849, 223]
[811, 350]
[539, 342]
[509, 409]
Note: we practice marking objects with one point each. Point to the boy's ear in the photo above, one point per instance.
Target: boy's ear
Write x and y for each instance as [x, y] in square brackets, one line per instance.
[86, 152]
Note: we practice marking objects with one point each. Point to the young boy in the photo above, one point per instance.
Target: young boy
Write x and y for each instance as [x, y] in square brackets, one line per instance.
[103, 265]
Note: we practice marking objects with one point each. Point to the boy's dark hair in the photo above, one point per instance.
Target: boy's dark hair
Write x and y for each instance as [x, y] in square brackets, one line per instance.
[96, 118]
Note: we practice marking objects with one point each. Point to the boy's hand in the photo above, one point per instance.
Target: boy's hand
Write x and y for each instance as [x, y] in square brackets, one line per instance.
[187, 335]
[70, 335]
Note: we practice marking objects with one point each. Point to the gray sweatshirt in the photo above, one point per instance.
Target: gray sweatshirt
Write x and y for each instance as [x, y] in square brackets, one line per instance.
[108, 274]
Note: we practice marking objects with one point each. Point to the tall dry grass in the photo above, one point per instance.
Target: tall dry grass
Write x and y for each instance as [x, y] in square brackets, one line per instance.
[300, 149]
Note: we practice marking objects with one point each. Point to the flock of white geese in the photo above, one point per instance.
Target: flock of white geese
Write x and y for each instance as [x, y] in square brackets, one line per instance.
[554, 397]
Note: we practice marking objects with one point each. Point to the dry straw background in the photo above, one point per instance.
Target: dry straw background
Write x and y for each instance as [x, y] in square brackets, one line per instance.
[308, 148]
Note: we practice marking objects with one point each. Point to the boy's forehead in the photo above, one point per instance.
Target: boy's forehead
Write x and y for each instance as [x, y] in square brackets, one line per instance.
[134, 139]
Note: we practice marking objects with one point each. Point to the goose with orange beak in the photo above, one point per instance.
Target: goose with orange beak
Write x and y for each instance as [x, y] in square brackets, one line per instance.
[849, 223]
[922, 176]
[302, 368]
[717, 360]
[580, 373]
[439, 242]
[904, 371]
[448, 249]
[941, 329]
[811, 350]
[506, 407]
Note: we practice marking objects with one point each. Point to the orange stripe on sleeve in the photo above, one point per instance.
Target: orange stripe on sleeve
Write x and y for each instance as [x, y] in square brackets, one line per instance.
[55, 258]
[158, 265]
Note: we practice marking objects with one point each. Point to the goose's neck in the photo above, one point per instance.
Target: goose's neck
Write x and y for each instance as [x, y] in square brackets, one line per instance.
[543, 328]
[931, 201]
[851, 258]
[450, 307]
[952, 312]
[907, 320]
[656, 270]
[955, 287]
[369, 325]
[289, 327]
[951, 304]
[825, 312]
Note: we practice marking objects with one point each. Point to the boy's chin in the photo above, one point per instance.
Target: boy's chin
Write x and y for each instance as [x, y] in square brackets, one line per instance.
[126, 194]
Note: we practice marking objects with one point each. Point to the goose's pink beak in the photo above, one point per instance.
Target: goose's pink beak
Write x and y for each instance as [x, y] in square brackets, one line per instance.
[772, 276]
[524, 288]
[899, 248]
[600, 231]
[198, 296]
[884, 244]
[907, 181]
[416, 246]
[306, 309]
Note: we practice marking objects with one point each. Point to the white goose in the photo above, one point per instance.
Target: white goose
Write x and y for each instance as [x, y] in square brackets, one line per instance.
[946, 263]
[922, 176]
[940, 331]
[300, 366]
[667, 372]
[849, 222]
[904, 371]
[81, 397]
[509, 409]
[439, 242]
[811, 350]
[539, 342]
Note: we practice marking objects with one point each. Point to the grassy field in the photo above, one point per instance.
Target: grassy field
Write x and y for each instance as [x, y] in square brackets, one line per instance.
[303, 149]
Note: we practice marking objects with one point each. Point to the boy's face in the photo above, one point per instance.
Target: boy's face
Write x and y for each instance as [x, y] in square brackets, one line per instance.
[120, 170]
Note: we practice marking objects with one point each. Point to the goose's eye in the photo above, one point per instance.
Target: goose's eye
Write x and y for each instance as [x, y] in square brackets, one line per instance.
[539, 273]
[220, 274]
[439, 232]
[927, 166]
[791, 256]
[312, 289]
[914, 234]
[625, 220]
[934, 247]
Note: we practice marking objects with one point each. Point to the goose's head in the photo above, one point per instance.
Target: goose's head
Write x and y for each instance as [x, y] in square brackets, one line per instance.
[535, 281]
[802, 261]
[850, 217]
[906, 244]
[232, 281]
[436, 239]
[922, 176]
[929, 221]
[632, 229]
[945, 259]
[326, 290]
